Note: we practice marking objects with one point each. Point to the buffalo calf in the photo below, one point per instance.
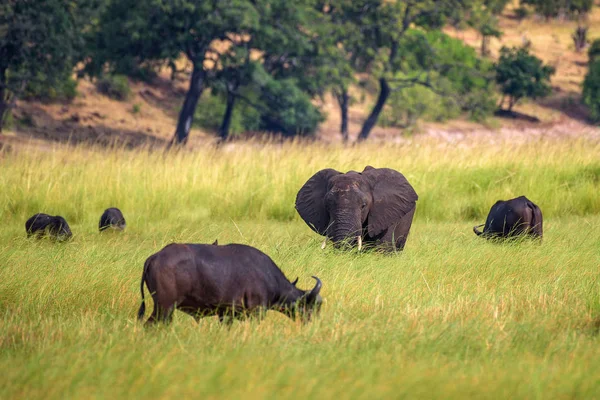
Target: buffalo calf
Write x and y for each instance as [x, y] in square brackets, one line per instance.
[43, 224]
[512, 218]
[231, 281]
[112, 218]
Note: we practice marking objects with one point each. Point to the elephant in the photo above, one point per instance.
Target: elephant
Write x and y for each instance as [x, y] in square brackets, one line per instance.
[512, 218]
[375, 206]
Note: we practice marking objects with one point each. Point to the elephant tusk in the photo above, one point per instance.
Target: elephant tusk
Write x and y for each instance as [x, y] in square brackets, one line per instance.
[324, 244]
[359, 243]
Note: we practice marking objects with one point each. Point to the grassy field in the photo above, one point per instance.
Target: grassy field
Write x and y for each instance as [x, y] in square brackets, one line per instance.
[452, 316]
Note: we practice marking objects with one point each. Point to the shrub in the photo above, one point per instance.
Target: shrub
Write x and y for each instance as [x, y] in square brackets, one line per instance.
[521, 74]
[591, 91]
[114, 86]
[288, 110]
[521, 13]
[461, 82]
[62, 88]
[594, 51]
[211, 108]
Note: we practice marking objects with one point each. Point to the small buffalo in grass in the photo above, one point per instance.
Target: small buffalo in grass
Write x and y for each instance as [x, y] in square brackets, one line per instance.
[512, 218]
[112, 218]
[230, 281]
[55, 227]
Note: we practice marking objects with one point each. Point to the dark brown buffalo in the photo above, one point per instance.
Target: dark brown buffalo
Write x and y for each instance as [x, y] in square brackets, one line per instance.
[112, 218]
[231, 281]
[512, 218]
[41, 225]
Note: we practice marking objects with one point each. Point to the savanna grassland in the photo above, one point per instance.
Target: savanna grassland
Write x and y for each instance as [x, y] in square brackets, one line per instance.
[453, 316]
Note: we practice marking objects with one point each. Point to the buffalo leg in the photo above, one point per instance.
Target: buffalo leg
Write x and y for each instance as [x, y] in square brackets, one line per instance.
[161, 314]
[226, 317]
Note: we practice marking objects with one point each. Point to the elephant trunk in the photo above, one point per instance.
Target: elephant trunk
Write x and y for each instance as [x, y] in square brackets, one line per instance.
[346, 229]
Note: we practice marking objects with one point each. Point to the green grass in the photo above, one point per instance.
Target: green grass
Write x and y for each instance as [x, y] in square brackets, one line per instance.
[453, 316]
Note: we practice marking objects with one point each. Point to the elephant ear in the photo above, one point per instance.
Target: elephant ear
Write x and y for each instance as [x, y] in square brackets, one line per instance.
[310, 200]
[393, 198]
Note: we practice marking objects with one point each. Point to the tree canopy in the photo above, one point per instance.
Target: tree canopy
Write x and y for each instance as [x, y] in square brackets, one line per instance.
[40, 41]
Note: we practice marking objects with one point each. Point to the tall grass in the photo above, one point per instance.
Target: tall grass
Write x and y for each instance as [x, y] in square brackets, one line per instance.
[453, 316]
[261, 181]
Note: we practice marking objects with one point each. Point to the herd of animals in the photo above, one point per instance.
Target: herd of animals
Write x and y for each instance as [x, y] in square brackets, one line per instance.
[373, 208]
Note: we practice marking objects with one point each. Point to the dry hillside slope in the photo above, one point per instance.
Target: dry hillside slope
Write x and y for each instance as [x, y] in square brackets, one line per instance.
[149, 116]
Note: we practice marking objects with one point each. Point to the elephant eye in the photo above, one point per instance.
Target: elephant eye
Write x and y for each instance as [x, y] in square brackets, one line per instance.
[364, 204]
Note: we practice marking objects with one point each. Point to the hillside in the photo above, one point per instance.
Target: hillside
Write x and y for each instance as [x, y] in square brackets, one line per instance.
[151, 112]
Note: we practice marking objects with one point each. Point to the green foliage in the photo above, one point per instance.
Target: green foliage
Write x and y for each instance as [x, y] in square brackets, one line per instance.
[461, 81]
[521, 74]
[554, 8]
[114, 86]
[59, 88]
[407, 106]
[594, 51]
[287, 109]
[40, 43]
[210, 111]
[521, 12]
[591, 90]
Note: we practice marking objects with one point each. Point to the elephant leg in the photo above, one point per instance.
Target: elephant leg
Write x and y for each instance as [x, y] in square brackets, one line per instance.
[397, 237]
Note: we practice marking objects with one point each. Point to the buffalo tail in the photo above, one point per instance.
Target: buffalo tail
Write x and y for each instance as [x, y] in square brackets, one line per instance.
[142, 309]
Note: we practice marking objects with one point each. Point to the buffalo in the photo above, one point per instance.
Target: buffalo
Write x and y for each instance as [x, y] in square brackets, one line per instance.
[112, 218]
[230, 281]
[55, 227]
[512, 218]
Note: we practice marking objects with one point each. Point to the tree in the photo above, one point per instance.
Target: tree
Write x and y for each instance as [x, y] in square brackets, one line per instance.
[39, 44]
[594, 51]
[554, 8]
[146, 30]
[521, 74]
[286, 47]
[484, 18]
[375, 40]
[460, 81]
[591, 90]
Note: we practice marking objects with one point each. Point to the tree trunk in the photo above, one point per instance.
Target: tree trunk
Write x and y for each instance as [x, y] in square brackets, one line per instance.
[370, 122]
[343, 100]
[3, 97]
[186, 116]
[4, 106]
[226, 124]
[580, 38]
[485, 40]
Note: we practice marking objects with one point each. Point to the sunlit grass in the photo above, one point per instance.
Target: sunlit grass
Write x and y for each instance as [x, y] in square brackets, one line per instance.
[453, 316]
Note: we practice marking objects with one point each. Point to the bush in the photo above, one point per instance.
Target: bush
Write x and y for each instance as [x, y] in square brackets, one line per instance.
[554, 8]
[288, 110]
[594, 51]
[62, 88]
[521, 13]
[521, 74]
[462, 82]
[591, 91]
[114, 86]
[211, 108]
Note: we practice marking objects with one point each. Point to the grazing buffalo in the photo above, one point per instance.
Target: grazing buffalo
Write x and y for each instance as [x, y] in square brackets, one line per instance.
[512, 218]
[43, 224]
[376, 205]
[231, 281]
[112, 218]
